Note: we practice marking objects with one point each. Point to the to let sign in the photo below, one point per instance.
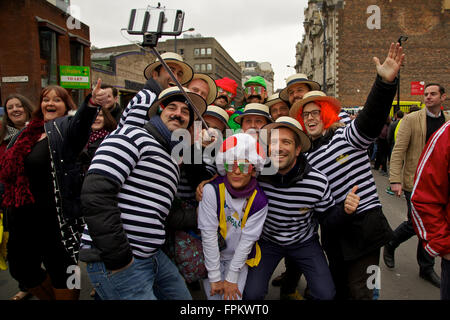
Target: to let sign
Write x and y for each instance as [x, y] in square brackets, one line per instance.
[417, 88]
[75, 77]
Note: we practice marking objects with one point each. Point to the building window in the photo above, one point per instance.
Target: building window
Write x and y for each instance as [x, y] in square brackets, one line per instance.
[209, 67]
[202, 51]
[196, 51]
[208, 51]
[48, 55]
[203, 67]
[196, 67]
[181, 51]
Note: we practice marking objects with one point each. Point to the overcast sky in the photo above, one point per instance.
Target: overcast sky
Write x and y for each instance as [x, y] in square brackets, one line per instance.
[263, 31]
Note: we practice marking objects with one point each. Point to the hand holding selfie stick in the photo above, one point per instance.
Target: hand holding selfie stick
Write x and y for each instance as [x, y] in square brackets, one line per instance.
[151, 40]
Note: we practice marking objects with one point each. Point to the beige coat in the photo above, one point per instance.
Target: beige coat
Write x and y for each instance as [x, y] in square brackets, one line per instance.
[408, 147]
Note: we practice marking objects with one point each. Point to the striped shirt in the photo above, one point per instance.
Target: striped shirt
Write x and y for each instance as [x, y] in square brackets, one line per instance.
[343, 159]
[148, 176]
[136, 112]
[291, 216]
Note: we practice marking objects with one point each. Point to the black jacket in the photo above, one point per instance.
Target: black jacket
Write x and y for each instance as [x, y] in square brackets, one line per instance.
[67, 137]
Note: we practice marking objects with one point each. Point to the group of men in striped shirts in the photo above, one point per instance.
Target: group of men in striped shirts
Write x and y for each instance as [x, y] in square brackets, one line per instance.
[133, 180]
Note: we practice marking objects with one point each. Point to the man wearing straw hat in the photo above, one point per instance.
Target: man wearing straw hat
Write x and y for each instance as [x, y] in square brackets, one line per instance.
[158, 79]
[297, 194]
[277, 106]
[131, 184]
[297, 86]
[253, 117]
[340, 152]
[204, 86]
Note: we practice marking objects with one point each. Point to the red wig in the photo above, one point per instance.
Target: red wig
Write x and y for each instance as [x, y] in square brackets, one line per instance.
[328, 114]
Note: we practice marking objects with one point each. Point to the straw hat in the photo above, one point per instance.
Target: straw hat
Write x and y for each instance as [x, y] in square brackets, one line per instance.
[257, 109]
[198, 101]
[294, 125]
[311, 96]
[211, 84]
[219, 113]
[172, 58]
[294, 79]
[274, 99]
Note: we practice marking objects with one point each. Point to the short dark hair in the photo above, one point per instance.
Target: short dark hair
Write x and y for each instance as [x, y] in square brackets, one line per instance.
[400, 114]
[441, 88]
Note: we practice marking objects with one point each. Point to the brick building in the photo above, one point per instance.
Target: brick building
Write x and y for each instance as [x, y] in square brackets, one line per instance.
[37, 37]
[356, 31]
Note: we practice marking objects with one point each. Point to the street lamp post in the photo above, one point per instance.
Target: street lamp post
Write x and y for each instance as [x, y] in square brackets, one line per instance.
[175, 42]
[397, 107]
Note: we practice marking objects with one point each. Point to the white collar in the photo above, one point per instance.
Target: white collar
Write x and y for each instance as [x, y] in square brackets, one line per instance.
[432, 115]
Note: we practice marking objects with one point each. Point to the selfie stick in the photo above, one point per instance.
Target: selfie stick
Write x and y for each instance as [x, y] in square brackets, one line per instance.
[152, 44]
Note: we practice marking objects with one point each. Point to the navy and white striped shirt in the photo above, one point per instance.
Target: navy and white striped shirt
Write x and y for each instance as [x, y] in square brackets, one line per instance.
[291, 217]
[343, 159]
[136, 112]
[148, 176]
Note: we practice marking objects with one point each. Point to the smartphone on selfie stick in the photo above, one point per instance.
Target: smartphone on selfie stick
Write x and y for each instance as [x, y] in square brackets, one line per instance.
[153, 23]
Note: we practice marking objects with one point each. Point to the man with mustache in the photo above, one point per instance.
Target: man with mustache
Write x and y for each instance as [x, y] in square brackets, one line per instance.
[226, 92]
[131, 184]
[255, 91]
[158, 79]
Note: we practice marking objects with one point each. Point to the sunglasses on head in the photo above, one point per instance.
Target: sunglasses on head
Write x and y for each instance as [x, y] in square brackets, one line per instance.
[254, 90]
[244, 167]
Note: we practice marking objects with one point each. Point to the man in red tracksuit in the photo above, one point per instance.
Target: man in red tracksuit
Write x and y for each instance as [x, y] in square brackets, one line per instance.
[430, 200]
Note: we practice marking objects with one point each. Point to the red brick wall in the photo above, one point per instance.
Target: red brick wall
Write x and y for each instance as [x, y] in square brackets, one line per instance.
[427, 48]
[19, 43]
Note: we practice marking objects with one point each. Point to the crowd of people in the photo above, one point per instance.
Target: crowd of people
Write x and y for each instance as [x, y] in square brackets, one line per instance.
[155, 213]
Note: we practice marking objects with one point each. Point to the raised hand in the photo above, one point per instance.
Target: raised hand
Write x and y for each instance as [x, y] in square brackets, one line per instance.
[99, 95]
[391, 65]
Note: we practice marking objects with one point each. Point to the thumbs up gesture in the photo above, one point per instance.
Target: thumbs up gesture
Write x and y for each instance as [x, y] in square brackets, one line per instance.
[99, 95]
[351, 201]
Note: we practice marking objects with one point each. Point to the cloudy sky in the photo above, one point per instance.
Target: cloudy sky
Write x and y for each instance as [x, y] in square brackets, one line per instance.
[248, 30]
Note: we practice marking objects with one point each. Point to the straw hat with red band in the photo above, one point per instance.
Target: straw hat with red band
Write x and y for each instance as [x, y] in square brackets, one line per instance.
[171, 57]
[297, 107]
[240, 146]
[174, 93]
[294, 79]
[211, 84]
[294, 125]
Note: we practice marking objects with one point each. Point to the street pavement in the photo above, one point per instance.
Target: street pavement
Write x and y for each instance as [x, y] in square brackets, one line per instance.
[401, 283]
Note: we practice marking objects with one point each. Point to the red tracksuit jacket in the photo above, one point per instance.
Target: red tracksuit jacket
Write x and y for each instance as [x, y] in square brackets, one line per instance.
[430, 196]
